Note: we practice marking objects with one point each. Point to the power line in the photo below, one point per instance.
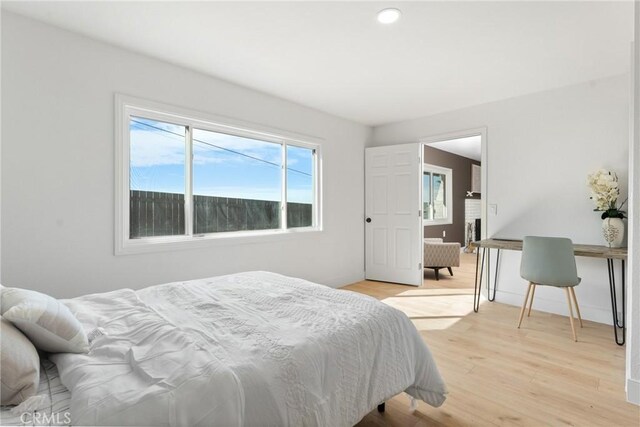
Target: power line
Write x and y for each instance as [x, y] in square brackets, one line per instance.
[220, 148]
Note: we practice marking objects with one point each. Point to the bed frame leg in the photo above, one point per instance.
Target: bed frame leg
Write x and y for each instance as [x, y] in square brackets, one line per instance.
[381, 407]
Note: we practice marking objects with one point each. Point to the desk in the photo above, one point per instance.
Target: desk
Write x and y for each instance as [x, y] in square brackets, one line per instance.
[592, 251]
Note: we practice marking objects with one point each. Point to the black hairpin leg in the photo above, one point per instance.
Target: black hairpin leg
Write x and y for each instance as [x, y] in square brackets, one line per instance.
[492, 297]
[475, 282]
[488, 273]
[381, 407]
[478, 281]
[618, 323]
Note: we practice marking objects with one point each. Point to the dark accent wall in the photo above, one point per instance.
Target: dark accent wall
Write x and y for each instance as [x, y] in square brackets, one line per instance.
[461, 167]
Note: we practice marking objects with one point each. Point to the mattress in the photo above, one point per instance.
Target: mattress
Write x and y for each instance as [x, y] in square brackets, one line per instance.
[248, 349]
[54, 408]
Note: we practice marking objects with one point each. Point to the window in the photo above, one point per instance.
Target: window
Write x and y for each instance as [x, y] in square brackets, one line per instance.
[185, 179]
[436, 195]
[299, 186]
[237, 183]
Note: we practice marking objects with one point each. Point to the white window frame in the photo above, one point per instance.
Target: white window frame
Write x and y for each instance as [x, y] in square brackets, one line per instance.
[448, 173]
[127, 106]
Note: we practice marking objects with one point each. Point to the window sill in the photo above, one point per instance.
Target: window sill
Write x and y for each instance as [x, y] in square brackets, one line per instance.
[171, 243]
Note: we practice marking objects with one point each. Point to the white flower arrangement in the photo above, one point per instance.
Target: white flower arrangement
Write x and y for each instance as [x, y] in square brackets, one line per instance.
[605, 192]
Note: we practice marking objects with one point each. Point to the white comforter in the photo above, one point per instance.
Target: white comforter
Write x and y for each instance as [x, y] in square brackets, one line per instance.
[250, 349]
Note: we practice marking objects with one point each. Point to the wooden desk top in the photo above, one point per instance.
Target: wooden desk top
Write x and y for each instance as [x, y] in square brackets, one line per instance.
[593, 251]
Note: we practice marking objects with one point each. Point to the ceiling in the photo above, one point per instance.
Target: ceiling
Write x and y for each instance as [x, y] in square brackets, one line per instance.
[335, 56]
[469, 147]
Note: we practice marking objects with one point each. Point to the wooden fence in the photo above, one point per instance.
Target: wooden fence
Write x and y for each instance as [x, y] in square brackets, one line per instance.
[162, 214]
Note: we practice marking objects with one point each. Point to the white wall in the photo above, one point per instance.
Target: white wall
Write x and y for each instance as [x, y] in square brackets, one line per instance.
[540, 149]
[58, 169]
[1, 12]
[633, 306]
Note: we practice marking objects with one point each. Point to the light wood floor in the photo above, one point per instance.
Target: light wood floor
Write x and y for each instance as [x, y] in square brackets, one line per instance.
[500, 375]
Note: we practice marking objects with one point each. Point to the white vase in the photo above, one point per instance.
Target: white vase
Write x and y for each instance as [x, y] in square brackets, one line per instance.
[613, 232]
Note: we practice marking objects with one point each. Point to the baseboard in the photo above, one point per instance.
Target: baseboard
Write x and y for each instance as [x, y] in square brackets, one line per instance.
[338, 282]
[633, 391]
[594, 314]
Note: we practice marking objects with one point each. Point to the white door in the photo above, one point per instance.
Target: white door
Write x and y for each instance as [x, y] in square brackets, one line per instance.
[393, 214]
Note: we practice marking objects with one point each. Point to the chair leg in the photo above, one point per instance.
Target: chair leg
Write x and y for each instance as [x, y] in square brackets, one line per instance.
[437, 270]
[533, 291]
[575, 301]
[450, 270]
[524, 305]
[573, 328]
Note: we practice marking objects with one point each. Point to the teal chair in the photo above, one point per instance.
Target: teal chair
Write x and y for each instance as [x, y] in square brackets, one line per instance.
[549, 261]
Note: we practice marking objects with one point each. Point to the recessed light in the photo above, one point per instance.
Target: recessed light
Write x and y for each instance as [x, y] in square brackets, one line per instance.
[389, 16]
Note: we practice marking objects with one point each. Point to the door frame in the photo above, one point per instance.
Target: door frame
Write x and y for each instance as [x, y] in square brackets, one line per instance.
[484, 172]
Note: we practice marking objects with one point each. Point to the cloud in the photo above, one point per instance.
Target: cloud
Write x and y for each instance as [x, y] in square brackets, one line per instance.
[154, 149]
[212, 146]
[157, 159]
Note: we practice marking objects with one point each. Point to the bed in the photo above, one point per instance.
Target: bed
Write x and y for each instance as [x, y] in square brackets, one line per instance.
[54, 403]
[246, 349]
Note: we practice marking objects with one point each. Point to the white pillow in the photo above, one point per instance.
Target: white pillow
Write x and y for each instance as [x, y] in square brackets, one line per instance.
[19, 365]
[47, 322]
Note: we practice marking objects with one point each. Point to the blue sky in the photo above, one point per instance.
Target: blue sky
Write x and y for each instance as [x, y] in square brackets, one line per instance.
[223, 165]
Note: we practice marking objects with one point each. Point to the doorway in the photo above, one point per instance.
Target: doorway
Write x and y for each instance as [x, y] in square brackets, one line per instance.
[454, 200]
